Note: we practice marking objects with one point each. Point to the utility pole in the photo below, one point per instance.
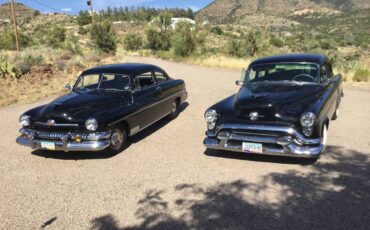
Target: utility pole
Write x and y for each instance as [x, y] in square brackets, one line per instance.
[89, 3]
[15, 25]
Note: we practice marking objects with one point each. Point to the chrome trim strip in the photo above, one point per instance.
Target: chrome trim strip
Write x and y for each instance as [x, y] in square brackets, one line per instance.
[282, 129]
[88, 146]
[56, 124]
[291, 150]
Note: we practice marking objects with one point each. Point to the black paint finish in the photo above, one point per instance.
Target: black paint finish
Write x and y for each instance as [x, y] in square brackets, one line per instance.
[136, 108]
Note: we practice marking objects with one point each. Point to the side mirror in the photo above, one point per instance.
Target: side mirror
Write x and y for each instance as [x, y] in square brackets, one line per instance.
[239, 83]
[242, 78]
[68, 87]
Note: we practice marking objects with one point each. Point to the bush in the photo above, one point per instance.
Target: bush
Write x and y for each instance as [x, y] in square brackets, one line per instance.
[82, 30]
[275, 41]
[246, 45]
[84, 18]
[133, 41]
[103, 38]
[7, 40]
[158, 40]
[217, 30]
[362, 75]
[72, 45]
[6, 69]
[234, 48]
[184, 39]
[56, 36]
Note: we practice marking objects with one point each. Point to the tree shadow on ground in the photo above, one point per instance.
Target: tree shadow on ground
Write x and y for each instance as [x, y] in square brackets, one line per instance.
[106, 154]
[332, 194]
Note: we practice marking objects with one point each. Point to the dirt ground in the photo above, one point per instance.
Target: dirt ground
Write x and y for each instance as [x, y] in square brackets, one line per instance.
[167, 180]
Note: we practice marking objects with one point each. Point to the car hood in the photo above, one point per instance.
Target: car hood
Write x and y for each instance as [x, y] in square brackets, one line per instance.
[78, 107]
[276, 95]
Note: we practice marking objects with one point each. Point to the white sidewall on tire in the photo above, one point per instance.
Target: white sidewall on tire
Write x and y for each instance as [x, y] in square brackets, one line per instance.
[324, 135]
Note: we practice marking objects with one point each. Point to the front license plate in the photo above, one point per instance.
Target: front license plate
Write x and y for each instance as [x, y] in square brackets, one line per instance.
[252, 147]
[47, 145]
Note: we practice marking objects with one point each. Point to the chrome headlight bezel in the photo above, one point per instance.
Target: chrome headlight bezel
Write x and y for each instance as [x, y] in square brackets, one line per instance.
[307, 119]
[25, 120]
[211, 115]
[91, 124]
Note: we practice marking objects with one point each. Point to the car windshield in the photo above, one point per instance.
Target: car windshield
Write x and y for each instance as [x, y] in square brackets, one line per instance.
[106, 82]
[287, 72]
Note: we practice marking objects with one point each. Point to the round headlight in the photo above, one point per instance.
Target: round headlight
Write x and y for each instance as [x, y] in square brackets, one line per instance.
[91, 124]
[25, 120]
[308, 119]
[210, 115]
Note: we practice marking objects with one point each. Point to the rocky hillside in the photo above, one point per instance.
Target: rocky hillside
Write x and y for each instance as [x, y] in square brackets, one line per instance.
[21, 11]
[235, 11]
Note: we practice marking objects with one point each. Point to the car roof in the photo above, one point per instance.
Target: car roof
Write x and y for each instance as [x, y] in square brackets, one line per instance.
[294, 57]
[130, 69]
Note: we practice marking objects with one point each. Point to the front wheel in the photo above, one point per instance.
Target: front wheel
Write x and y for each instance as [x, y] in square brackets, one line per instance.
[324, 137]
[118, 140]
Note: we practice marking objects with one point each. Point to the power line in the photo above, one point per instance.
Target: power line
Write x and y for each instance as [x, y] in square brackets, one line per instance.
[47, 6]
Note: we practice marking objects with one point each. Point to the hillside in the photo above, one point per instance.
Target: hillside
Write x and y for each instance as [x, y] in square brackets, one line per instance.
[21, 11]
[236, 11]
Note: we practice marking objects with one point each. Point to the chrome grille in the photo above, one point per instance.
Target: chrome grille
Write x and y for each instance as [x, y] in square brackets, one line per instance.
[59, 135]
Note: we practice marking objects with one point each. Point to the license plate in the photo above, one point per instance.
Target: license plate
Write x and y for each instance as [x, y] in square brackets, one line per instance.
[48, 145]
[252, 147]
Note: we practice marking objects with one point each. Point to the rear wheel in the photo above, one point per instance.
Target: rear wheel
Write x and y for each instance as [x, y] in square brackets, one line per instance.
[174, 109]
[118, 139]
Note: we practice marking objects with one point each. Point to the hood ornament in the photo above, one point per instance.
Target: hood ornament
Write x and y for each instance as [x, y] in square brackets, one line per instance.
[254, 116]
[50, 123]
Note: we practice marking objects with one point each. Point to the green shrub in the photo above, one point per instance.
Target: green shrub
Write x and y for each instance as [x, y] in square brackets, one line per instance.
[72, 45]
[362, 75]
[6, 69]
[56, 36]
[103, 38]
[217, 30]
[7, 40]
[184, 39]
[234, 48]
[84, 18]
[275, 41]
[133, 41]
[82, 30]
[157, 40]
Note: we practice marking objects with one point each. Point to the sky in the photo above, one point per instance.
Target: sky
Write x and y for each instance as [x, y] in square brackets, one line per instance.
[74, 6]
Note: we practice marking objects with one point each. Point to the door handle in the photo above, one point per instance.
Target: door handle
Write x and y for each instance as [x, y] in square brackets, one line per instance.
[158, 88]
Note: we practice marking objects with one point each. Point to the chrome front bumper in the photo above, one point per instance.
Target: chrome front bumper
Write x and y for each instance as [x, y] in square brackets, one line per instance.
[97, 142]
[286, 141]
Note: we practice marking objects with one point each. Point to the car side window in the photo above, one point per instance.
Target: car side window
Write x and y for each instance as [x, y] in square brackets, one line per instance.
[160, 77]
[323, 73]
[143, 80]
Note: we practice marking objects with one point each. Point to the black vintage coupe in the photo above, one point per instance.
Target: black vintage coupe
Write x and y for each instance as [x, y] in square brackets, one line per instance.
[105, 106]
[284, 108]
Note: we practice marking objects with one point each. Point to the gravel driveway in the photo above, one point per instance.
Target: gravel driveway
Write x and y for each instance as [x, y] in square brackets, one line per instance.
[167, 180]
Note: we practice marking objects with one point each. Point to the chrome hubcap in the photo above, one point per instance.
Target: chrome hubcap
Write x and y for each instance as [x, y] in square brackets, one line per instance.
[174, 107]
[116, 139]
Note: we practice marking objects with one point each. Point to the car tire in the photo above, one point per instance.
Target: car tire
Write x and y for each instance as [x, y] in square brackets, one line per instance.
[324, 136]
[175, 110]
[336, 114]
[118, 140]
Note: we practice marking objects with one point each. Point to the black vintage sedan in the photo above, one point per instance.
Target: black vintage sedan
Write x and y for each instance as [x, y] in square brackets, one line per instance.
[284, 108]
[105, 106]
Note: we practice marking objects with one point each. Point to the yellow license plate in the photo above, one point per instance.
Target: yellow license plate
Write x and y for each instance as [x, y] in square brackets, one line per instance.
[252, 147]
[47, 145]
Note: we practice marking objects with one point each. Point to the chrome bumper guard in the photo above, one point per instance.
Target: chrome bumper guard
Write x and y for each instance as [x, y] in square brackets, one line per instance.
[94, 141]
[278, 140]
